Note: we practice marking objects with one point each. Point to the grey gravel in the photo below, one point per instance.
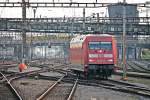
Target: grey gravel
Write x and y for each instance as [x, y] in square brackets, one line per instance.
[31, 88]
[96, 93]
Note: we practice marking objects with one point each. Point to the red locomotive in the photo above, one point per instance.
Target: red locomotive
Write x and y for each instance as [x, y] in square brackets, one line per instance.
[93, 54]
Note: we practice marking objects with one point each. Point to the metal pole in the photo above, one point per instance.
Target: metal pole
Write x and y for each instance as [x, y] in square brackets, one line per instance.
[102, 21]
[34, 11]
[72, 24]
[23, 30]
[45, 45]
[97, 21]
[147, 20]
[124, 41]
[31, 48]
[83, 19]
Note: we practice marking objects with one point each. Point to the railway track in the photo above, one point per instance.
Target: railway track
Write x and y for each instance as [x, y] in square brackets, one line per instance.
[6, 93]
[59, 91]
[10, 78]
[4, 67]
[115, 85]
[119, 86]
[130, 88]
[142, 66]
[136, 68]
[49, 89]
[63, 86]
[17, 95]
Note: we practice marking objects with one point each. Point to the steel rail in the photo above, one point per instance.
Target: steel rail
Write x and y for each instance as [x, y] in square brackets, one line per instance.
[20, 76]
[136, 68]
[140, 66]
[49, 89]
[9, 83]
[130, 85]
[73, 90]
[141, 91]
[127, 88]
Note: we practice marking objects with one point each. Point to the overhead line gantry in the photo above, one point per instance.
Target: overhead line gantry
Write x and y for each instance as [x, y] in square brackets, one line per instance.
[64, 4]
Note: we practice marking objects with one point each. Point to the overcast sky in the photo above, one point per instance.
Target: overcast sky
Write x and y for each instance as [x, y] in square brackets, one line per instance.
[61, 12]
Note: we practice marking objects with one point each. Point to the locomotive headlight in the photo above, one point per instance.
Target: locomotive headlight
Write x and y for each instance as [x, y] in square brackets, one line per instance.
[91, 60]
[108, 55]
[93, 55]
[110, 60]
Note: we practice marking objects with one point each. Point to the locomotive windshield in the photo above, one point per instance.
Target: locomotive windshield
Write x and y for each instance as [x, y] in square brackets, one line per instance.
[100, 45]
[94, 45]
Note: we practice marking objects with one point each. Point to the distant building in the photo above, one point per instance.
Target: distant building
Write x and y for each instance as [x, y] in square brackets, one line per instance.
[116, 10]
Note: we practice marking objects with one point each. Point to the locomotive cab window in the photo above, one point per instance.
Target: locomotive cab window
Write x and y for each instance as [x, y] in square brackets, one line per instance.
[106, 45]
[100, 45]
[94, 45]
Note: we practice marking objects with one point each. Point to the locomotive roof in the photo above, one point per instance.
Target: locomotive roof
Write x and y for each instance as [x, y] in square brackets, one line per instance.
[98, 35]
[81, 38]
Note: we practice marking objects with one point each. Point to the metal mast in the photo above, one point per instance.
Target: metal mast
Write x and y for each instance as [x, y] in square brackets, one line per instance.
[84, 20]
[124, 41]
[23, 30]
